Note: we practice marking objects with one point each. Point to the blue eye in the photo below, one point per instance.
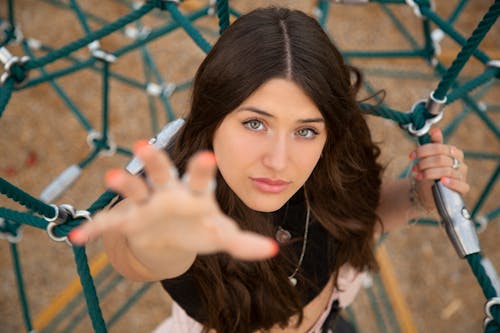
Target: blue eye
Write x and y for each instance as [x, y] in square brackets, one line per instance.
[307, 133]
[253, 124]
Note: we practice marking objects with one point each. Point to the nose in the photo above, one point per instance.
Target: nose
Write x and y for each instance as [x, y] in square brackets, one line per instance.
[276, 153]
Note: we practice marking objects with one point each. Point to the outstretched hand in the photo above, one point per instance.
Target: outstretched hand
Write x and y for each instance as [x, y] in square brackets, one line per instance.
[435, 161]
[164, 213]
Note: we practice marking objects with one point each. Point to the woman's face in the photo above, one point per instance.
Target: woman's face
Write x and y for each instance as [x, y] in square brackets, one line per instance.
[269, 145]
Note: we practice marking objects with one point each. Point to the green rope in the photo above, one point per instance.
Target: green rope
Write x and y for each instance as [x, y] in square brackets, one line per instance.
[458, 9]
[93, 36]
[5, 94]
[20, 287]
[477, 268]
[25, 199]
[81, 16]
[469, 86]
[188, 27]
[126, 306]
[223, 15]
[89, 289]
[23, 218]
[467, 50]
[487, 189]
[10, 33]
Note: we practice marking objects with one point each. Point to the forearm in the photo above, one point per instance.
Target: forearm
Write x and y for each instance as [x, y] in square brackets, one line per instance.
[396, 204]
[148, 266]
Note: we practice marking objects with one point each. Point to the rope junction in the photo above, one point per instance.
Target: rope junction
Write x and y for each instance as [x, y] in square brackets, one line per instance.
[58, 220]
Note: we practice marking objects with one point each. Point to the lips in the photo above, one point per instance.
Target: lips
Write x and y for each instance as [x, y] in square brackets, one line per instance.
[268, 185]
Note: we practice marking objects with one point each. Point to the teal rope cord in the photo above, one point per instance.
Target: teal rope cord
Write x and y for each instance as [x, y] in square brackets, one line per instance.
[448, 29]
[20, 287]
[458, 9]
[76, 302]
[5, 94]
[89, 289]
[25, 199]
[223, 15]
[23, 218]
[80, 315]
[474, 261]
[156, 33]
[126, 306]
[478, 81]
[188, 27]
[105, 103]
[323, 7]
[487, 189]
[379, 319]
[468, 49]
[69, 103]
[400, 26]
[81, 16]
[10, 32]
[95, 35]
[59, 73]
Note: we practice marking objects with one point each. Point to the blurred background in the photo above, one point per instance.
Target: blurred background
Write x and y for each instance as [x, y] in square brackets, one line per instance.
[49, 126]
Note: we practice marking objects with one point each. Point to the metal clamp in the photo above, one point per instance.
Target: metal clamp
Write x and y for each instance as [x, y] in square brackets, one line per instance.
[12, 238]
[428, 122]
[98, 53]
[63, 213]
[96, 136]
[8, 60]
[434, 105]
[137, 34]
[487, 309]
[493, 63]
[165, 90]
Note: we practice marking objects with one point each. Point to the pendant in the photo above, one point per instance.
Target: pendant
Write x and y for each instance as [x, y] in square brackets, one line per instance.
[282, 235]
[293, 280]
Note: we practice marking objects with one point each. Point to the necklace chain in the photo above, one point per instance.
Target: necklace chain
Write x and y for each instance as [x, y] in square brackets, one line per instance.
[292, 278]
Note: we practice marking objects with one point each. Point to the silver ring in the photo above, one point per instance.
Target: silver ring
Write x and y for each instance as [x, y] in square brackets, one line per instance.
[456, 164]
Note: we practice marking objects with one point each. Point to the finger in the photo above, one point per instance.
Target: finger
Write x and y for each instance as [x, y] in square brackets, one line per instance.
[438, 172]
[129, 186]
[250, 246]
[456, 185]
[199, 176]
[434, 162]
[159, 168]
[436, 135]
[91, 230]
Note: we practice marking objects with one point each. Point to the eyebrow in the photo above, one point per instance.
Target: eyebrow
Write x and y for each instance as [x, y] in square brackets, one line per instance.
[267, 114]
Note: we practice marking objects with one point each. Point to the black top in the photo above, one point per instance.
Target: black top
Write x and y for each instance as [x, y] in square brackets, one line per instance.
[312, 276]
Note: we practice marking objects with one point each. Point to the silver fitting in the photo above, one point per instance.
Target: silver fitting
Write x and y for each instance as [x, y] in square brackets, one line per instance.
[156, 90]
[63, 214]
[98, 53]
[428, 122]
[456, 220]
[160, 141]
[487, 309]
[12, 238]
[434, 105]
[8, 60]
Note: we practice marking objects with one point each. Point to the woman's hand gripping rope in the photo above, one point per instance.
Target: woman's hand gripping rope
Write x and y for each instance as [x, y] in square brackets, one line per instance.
[165, 213]
[434, 161]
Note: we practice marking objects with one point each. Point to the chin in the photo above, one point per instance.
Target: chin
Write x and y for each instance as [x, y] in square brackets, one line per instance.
[265, 206]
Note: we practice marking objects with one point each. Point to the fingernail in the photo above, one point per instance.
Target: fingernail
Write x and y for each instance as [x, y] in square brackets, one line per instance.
[434, 131]
[419, 176]
[140, 144]
[275, 248]
[445, 180]
[207, 157]
[111, 175]
[75, 236]
[414, 168]
[412, 155]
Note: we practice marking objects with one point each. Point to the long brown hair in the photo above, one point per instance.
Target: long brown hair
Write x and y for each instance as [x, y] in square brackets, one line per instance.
[342, 191]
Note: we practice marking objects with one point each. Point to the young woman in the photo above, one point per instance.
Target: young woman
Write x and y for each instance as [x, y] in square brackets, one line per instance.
[280, 193]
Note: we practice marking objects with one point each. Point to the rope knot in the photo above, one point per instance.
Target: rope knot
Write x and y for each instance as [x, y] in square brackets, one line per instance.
[13, 67]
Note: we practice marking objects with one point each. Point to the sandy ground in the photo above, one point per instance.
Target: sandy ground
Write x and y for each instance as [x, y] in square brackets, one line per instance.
[40, 137]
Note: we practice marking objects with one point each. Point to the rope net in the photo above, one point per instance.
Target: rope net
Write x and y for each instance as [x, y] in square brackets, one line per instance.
[122, 70]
